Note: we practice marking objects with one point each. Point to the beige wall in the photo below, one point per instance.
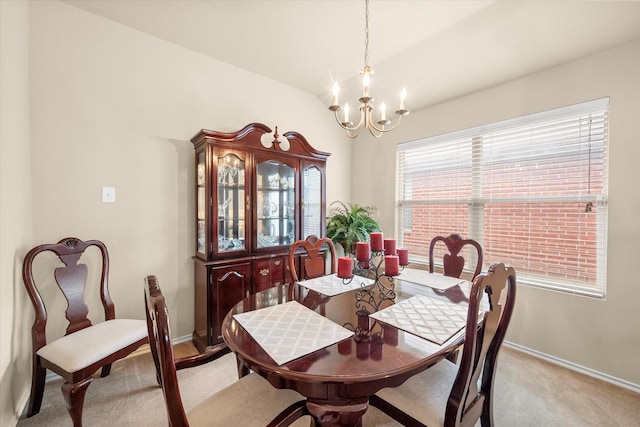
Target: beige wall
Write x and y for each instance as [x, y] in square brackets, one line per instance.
[16, 206]
[110, 106]
[598, 335]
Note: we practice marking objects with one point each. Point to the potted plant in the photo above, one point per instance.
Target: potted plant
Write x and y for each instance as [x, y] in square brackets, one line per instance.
[350, 223]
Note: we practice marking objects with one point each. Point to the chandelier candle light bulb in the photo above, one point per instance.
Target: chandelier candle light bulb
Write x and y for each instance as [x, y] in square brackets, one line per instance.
[336, 89]
[377, 129]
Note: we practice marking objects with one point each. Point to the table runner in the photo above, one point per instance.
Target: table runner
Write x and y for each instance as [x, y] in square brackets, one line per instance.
[290, 330]
[432, 280]
[429, 318]
[331, 285]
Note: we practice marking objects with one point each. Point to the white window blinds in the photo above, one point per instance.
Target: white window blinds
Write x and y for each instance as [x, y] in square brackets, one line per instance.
[531, 190]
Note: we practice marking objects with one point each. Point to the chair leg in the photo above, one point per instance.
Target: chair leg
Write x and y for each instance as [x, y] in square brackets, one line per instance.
[106, 370]
[242, 369]
[291, 414]
[453, 356]
[486, 418]
[37, 389]
[74, 397]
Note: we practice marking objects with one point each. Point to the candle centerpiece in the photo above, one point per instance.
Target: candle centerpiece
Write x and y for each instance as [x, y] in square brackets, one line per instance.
[380, 260]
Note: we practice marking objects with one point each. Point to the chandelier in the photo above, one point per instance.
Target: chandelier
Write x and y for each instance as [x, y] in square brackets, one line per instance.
[382, 125]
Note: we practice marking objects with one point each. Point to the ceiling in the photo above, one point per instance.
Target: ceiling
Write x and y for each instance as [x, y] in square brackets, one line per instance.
[438, 50]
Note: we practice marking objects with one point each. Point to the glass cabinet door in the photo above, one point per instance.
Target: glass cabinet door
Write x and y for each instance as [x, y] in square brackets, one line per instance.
[276, 204]
[312, 199]
[201, 237]
[231, 207]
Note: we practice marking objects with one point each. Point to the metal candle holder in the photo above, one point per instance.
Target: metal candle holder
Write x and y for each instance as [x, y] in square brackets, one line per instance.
[369, 300]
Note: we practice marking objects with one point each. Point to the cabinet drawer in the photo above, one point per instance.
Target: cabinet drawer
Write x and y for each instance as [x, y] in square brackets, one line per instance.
[268, 273]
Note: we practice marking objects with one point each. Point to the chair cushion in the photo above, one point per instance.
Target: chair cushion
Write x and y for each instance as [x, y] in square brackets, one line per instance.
[89, 345]
[424, 396]
[250, 401]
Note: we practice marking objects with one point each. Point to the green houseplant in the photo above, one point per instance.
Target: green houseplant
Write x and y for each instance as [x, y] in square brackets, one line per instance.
[350, 223]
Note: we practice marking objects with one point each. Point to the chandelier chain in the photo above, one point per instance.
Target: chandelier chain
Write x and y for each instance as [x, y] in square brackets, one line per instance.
[366, 34]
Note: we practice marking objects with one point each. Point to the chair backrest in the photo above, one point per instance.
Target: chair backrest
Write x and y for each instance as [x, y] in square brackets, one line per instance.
[313, 262]
[160, 341]
[454, 263]
[483, 339]
[72, 281]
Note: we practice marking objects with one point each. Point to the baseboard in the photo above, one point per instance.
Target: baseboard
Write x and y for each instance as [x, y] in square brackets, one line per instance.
[575, 367]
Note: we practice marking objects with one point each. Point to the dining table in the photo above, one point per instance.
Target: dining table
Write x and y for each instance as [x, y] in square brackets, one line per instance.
[338, 341]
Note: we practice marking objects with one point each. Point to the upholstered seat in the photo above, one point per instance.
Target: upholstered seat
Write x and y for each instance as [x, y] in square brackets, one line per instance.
[90, 345]
[251, 401]
[86, 346]
[449, 395]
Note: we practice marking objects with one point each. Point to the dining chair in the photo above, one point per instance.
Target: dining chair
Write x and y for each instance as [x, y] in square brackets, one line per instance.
[452, 262]
[312, 262]
[450, 395]
[250, 401]
[87, 344]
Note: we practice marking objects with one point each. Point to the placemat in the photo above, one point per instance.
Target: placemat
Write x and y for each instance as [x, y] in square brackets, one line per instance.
[290, 330]
[429, 318]
[331, 284]
[432, 280]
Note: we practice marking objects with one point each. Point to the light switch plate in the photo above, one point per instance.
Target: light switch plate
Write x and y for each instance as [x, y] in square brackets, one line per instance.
[108, 194]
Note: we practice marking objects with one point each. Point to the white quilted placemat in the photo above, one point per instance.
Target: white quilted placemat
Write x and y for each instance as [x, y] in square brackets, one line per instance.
[290, 330]
[429, 318]
[432, 280]
[331, 285]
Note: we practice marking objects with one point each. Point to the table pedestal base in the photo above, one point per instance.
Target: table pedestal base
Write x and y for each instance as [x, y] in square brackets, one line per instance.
[330, 414]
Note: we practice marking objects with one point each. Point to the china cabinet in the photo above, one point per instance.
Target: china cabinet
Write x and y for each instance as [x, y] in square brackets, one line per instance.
[256, 193]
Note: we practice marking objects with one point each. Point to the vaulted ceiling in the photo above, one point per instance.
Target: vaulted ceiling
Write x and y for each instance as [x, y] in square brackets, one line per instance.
[438, 50]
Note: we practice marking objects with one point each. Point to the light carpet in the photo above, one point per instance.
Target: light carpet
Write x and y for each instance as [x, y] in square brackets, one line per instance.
[529, 392]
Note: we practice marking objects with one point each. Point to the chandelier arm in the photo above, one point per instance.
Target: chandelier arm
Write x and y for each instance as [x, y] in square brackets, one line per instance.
[384, 129]
[357, 127]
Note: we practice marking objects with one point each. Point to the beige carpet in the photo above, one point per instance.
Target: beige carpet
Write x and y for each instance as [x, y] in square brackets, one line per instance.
[529, 393]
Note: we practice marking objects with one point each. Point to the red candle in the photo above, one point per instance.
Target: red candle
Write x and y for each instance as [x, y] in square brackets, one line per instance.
[403, 255]
[390, 334]
[391, 265]
[344, 347]
[376, 348]
[363, 320]
[345, 267]
[389, 246]
[376, 241]
[363, 251]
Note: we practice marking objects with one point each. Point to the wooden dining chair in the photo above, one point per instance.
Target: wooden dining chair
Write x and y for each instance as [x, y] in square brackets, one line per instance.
[250, 401]
[450, 395]
[312, 262]
[86, 346]
[452, 262]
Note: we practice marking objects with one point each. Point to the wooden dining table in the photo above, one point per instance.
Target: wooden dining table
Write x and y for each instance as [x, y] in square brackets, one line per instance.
[337, 380]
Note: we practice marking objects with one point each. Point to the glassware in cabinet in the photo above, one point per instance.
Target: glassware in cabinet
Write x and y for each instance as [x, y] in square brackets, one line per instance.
[230, 203]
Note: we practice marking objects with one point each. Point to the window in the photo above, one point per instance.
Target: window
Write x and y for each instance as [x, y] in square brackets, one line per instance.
[531, 190]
